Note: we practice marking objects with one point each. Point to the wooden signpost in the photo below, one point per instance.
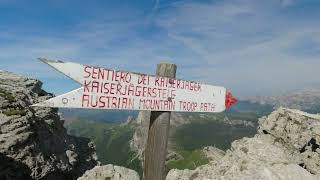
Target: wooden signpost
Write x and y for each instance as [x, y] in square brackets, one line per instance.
[102, 88]
[156, 148]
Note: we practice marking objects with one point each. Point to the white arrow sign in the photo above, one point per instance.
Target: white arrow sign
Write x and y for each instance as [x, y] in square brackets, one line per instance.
[103, 88]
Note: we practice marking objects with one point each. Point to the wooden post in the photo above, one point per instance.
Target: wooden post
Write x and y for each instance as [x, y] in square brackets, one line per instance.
[156, 148]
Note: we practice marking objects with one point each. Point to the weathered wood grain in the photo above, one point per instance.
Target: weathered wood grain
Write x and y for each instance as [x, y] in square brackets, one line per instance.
[156, 148]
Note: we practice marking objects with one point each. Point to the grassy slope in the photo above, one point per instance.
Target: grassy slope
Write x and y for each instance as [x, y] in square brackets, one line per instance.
[111, 140]
[196, 135]
[192, 159]
[208, 131]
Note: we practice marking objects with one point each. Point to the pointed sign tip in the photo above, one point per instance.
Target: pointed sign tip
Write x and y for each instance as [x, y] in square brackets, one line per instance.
[230, 99]
[48, 61]
[44, 60]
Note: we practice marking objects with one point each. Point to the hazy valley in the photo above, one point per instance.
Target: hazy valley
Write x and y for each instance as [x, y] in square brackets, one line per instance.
[113, 131]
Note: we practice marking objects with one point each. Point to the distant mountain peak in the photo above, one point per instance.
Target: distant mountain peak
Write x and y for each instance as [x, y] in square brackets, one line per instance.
[307, 100]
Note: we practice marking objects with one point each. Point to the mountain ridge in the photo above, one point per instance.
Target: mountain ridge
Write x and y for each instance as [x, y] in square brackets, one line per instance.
[306, 100]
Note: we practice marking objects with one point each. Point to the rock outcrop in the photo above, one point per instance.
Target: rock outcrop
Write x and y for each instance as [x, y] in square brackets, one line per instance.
[299, 132]
[140, 137]
[110, 172]
[33, 142]
[286, 147]
[213, 153]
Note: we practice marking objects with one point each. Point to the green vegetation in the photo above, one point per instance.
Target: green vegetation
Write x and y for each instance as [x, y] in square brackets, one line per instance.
[111, 140]
[191, 160]
[11, 112]
[247, 106]
[198, 134]
[208, 130]
[7, 95]
[315, 109]
[105, 116]
[247, 116]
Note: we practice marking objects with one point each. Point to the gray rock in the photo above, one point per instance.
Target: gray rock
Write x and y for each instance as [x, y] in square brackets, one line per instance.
[33, 140]
[110, 172]
[299, 131]
[213, 153]
[173, 156]
[276, 153]
[72, 156]
[276, 172]
[140, 136]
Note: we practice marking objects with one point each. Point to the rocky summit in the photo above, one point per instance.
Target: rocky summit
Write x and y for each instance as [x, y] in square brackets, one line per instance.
[33, 142]
[285, 148]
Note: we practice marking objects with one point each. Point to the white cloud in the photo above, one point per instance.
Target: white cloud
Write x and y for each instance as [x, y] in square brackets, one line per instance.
[244, 45]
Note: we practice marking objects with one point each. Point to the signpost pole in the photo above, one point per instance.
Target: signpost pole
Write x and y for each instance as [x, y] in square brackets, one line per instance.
[156, 148]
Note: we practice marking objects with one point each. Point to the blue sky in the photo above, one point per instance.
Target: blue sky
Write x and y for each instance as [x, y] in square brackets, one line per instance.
[252, 47]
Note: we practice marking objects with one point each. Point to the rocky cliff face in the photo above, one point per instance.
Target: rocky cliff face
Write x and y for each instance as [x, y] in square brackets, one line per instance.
[33, 142]
[286, 147]
[140, 135]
